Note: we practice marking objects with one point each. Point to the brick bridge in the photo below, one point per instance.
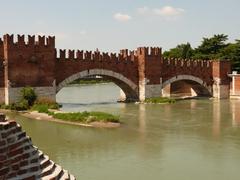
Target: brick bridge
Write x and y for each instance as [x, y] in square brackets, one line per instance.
[140, 74]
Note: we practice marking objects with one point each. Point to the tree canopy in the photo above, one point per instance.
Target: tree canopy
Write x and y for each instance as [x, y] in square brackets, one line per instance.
[211, 48]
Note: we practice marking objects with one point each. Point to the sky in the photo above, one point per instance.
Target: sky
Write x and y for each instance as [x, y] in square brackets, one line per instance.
[111, 25]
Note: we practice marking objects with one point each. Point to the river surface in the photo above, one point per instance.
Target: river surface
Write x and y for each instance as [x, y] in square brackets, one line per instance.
[188, 140]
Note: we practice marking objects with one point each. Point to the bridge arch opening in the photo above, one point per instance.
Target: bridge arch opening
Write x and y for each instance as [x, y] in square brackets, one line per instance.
[129, 90]
[185, 86]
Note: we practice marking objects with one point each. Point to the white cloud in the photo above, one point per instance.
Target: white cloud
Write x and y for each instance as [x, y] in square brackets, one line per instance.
[168, 11]
[122, 17]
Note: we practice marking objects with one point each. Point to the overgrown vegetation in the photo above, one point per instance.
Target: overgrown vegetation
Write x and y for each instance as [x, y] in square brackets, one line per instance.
[159, 100]
[50, 104]
[41, 108]
[87, 117]
[28, 100]
[28, 97]
[83, 117]
[215, 47]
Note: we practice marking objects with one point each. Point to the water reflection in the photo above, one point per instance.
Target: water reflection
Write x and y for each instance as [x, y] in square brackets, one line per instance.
[216, 128]
[235, 104]
[192, 139]
[142, 119]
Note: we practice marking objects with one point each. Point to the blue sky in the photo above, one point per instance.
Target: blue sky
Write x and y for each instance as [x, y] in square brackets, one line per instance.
[111, 25]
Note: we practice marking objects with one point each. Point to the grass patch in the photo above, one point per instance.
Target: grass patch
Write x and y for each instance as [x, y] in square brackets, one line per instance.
[83, 117]
[41, 108]
[87, 117]
[48, 102]
[160, 100]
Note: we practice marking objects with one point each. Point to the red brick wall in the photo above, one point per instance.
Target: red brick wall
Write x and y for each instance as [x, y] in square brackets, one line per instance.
[30, 63]
[197, 68]
[221, 69]
[125, 65]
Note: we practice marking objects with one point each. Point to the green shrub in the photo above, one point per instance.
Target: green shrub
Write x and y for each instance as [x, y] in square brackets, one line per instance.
[22, 105]
[12, 106]
[19, 106]
[28, 93]
[4, 106]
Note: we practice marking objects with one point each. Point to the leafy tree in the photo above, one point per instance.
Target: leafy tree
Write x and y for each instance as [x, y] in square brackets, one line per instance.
[211, 47]
[181, 51]
[232, 52]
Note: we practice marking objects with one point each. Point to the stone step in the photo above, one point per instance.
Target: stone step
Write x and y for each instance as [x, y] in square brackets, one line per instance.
[72, 177]
[39, 171]
[55, 174]
[44, 159]
[65, 175]
[48, 170]
[46, 162]
[28, 151]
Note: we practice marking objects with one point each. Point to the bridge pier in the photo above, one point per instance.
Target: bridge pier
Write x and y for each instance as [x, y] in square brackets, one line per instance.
[221, 81]
[221, 91]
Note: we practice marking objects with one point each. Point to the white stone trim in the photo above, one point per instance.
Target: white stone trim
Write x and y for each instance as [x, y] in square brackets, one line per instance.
[100, 72]
[185, 77]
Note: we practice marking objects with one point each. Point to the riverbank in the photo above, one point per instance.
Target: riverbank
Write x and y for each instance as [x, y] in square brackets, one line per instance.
[45, 117]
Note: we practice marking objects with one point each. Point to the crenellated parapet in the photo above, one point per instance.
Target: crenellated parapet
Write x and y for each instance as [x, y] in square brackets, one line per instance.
[188, 63]
[42, 42]
[150, 51]
[80, 55]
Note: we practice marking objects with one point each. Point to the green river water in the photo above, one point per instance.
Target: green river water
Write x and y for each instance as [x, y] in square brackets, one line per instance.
[188, 140]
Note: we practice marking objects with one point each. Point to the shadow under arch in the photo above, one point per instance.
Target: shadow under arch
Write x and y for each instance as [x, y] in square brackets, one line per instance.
[198, 85]
[128, 87]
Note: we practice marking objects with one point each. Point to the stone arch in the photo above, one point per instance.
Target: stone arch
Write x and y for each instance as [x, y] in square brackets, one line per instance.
[128, 87]
[199, 83]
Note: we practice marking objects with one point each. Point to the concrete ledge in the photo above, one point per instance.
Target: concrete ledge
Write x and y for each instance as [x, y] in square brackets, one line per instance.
[14, 94]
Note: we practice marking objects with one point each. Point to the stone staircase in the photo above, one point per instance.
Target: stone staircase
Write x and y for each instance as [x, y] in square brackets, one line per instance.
[20, 160]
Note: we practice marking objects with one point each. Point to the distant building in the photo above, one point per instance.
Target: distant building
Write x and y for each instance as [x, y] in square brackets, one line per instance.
[235, 85]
